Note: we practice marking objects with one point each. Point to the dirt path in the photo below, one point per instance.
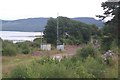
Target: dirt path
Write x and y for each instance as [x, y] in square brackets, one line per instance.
[70, 50]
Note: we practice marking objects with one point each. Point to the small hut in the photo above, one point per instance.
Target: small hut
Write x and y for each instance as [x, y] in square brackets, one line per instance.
[46, 47]
[60, 47]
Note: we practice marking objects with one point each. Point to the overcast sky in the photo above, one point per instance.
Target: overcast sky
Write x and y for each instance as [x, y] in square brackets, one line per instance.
[19, 9]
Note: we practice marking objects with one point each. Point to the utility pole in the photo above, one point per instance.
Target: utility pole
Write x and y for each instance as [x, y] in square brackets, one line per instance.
[59, 46]
[41, 40]
[57, 28]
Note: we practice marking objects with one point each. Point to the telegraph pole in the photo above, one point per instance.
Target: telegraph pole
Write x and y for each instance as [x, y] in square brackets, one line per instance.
[41, 40]
[57, 28]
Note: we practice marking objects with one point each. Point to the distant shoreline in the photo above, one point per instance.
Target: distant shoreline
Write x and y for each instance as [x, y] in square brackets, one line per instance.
[17, 36]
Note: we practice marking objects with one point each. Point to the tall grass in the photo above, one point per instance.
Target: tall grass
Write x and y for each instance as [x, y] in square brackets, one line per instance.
[74, 67]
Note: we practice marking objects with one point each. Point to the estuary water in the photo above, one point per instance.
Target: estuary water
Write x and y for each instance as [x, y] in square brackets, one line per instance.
[17, 36]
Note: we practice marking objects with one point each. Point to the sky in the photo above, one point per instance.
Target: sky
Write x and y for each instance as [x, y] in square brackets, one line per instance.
[21, 9]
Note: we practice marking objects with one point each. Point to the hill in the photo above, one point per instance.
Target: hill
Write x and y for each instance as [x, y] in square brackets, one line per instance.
[89, 20]
[38, 24]
[30, 24]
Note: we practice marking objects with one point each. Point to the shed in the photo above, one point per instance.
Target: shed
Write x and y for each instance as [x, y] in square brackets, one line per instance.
[46, 47]
[60, 47]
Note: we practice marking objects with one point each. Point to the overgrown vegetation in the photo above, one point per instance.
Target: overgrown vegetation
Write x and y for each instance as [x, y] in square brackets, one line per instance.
[87, 63]
[70, 31]
[75, 67]
[111, 29]
[8, 48]
[11, 49]
[87, 51]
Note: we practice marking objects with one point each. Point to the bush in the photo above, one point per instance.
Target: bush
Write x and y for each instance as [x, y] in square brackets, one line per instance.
[19, 72]
[111, 72]
[106, 43]
[24, 47]
[82, 72]
[94, 67]
[72, 40]
[68, 41]
[114, 46]
[87, 51]
[8, 48]
[46, 70]
[37, 42]
[67, 68]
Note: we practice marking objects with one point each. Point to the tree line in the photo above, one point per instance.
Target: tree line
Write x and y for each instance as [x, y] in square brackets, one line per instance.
[69, 31]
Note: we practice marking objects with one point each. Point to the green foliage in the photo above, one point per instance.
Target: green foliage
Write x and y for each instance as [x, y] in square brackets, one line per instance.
[111, 9]
[46, 70]
[36, 42]
[87, 51]
[24, 47]
[50, 31]
[114, 46]
[111, 72]
[82, 72]
[94, 67]
[19, 72]
[78, 32]
[8, 48]
[94, 29]
[68, 41]
[111, 28]
[73, 67]
[106, 43]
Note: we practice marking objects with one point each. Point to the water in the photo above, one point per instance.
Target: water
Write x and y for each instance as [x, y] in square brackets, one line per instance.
[17, 36]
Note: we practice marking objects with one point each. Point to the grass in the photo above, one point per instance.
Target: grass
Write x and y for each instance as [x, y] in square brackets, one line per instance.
[35, 66]
[9, 63]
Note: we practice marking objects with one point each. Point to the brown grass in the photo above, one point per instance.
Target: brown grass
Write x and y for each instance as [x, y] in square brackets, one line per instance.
[10, 62]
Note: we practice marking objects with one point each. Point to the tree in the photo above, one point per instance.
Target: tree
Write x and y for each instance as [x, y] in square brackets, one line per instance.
[50, 33]
[111, 29]
[77, 31]
[111, 9]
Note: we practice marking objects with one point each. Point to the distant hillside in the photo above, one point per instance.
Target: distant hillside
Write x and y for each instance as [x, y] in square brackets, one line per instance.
[38, 24]
[89, 20]
[30, 24]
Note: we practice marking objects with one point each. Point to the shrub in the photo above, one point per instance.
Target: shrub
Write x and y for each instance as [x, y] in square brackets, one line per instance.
[106, 43]
[94, 67]
[82, 72]
[112, 72]
[37, 42]
[55, 71]
[67, 68]
[8, 48]
[87, 51]
[114, 46]
[9, 51]
[24, 47]
[68, 41]
[19, 72]
[46, 70]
